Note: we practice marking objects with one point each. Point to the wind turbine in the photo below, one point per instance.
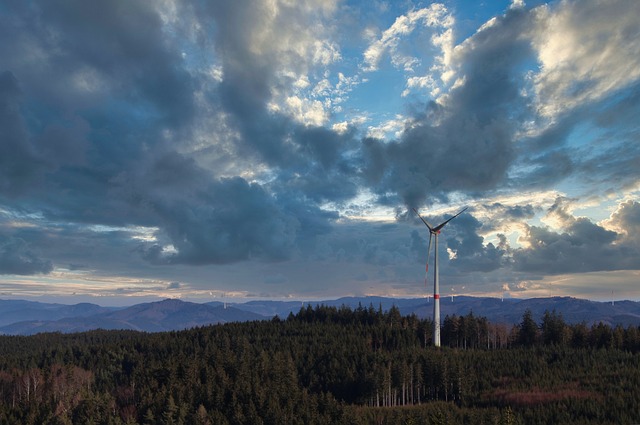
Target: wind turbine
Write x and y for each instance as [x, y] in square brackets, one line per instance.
[435, 231]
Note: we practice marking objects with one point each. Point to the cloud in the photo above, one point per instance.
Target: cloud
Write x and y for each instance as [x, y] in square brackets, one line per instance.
[435, 16]
[114, 137]
[236, 221]
[605, 159]
[464, 144]
[87, 104]
[20, 166]
[203, 220]
[300, 155]
[98, 53]
[276, 279]
[580, 246]
[568, 245]
[625, 220]
[479, 137]
[586, 52]
[16, 257]
[471, 252]
[211, 133]
[611, 160]
[266, 48]
[586, 88]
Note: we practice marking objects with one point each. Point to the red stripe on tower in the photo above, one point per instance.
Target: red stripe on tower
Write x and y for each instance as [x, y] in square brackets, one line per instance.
[436, 296]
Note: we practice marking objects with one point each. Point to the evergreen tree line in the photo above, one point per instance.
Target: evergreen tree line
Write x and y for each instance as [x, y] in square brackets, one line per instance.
[327, 365]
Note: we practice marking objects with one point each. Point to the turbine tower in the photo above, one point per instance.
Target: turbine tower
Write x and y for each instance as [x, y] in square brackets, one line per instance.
[435, 231]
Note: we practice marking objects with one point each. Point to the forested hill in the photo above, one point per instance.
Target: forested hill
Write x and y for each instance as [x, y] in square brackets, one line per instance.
[19, 317]
[327, 365]
[166, 315]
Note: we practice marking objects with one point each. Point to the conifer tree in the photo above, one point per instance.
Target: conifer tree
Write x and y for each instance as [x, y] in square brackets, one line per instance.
[528, 331]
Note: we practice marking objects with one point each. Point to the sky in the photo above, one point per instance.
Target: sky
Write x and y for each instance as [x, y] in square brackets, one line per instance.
[275, 149]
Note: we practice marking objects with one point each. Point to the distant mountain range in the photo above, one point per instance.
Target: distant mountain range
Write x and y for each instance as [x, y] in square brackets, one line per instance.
[19, 317]
[167, 315]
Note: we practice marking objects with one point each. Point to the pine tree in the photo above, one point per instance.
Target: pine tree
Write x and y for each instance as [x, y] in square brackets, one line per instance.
[201, 417]
[149, 418]
[507, 417]
[169, 413]
[528, 331]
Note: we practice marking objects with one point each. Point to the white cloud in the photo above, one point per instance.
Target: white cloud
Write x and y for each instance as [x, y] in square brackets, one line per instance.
[408, 46]
[446, 43]
[435, 16]
[586, 49]
[340, 127]
[426, 83]
[302, 82]
[626, 221]
[295, 41]
[308, 112]
[325, 52]
[390, 128]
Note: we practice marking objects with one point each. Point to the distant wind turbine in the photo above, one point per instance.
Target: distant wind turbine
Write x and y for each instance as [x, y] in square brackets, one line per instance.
[435, 231]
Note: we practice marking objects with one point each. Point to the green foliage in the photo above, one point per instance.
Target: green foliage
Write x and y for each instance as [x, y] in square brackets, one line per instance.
[327, 365]
[554, 330]
[528, 332]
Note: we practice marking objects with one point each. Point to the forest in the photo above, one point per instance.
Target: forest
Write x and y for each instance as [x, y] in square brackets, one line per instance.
[327, 365]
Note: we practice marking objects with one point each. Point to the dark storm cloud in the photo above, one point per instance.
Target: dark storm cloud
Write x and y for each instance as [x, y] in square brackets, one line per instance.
[615, 156]
[114, 82]
[319, 168]
[511, 212]
[249, 75]
[418, 245]
[461, 237]
[215, 221]
[612, 158]
[19, 163]
[311, 161]
[582, 246]
[89, 89]
[471, 253]
[467, 145]
[471, 143]
[100, 105]
[16, 257]
[232, 221]
[627, 219]
[117, 46]
[547, 169]
[554, 253]
[89, 247]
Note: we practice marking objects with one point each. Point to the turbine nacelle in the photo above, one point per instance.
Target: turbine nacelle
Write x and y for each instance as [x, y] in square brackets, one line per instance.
[435, 231]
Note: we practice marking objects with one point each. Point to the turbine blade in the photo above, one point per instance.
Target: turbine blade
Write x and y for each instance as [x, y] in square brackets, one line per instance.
[423, 220]
[441, 225]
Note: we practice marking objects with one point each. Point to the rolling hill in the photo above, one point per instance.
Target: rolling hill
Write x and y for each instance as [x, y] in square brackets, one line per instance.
[19, 317]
